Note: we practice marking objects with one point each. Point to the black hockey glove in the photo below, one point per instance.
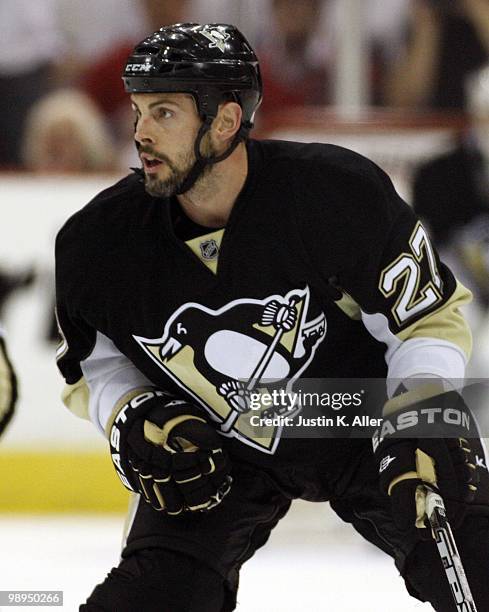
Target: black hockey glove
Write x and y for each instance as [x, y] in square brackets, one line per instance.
[409, 460]
[165, 450]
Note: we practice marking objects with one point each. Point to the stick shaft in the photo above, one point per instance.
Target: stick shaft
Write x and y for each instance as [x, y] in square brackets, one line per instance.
[257, 373]
[448, 551]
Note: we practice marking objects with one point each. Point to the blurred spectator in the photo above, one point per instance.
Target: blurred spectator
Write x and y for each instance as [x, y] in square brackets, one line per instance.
[385, 25]
[451, 195]
[447, 40]
[10, 283]
[92, 29]
[30, 45]
[66, 133]
[8, 385]
[102, 80]
[298, 49]
[13, 281]
[252, 17]
[294, 56]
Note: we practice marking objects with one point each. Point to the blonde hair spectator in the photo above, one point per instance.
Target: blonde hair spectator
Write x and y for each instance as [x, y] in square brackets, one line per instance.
[65, 132]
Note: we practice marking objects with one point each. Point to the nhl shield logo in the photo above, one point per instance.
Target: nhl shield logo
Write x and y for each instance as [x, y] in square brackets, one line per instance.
[218, 39]
[209, 249]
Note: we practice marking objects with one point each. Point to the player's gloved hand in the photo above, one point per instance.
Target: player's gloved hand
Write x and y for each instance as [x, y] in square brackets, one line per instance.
[165, 450]
[409, 460]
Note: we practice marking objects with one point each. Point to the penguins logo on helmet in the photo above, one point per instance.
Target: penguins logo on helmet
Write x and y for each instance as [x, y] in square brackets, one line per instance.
[218, 39]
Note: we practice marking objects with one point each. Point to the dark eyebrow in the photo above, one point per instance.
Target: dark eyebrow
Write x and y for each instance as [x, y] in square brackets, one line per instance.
[163, 100]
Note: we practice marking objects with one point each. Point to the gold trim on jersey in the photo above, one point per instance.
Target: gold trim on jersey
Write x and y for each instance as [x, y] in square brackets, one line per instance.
[207, 248]
[125, 399]
[446, 323]
[76, 398]
[348, 305]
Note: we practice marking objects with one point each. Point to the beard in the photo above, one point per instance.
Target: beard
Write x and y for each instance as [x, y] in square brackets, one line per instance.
[178, 170]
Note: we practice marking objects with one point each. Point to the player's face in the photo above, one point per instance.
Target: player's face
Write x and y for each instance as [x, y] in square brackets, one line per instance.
[166, 125]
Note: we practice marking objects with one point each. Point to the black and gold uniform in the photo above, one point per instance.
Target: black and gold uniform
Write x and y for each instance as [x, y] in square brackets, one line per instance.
[147, 298]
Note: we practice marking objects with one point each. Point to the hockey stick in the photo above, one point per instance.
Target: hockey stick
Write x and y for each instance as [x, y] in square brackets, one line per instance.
[257, 373]
[447, 549]
[443, 536]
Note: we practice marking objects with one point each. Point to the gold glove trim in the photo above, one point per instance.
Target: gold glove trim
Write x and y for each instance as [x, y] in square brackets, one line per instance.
[425, 471]
[200, 507]
[420, 499]
[401, 478]
[159, 435]
[143, 486]
[159, 496]
[420, 393]
[213, 466]
[189, 479]
[167, 479]
[425, 467]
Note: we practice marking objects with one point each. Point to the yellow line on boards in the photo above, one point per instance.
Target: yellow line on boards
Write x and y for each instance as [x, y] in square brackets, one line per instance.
[59, 482]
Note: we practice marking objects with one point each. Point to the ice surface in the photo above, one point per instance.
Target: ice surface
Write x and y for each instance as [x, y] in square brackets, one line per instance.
[312, 563]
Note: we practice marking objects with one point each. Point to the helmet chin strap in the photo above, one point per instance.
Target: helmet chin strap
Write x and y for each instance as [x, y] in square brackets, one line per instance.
[200, 161]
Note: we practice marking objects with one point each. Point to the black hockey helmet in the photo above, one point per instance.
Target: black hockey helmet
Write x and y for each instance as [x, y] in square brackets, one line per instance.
[212, 62]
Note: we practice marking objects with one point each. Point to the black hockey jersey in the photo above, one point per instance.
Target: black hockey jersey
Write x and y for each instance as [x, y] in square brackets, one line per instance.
[322, 271]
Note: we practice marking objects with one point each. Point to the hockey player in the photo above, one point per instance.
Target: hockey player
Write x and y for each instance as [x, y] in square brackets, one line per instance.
[8, 385]
[224, 261]
[451, 195]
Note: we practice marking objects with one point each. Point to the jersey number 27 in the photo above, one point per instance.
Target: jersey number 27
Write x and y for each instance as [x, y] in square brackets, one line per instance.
[403, 275]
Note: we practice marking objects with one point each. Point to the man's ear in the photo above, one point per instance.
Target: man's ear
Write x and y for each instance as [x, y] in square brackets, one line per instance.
[227, 122]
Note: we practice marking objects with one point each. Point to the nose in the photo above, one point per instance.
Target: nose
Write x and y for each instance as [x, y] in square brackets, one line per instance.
[142, 133]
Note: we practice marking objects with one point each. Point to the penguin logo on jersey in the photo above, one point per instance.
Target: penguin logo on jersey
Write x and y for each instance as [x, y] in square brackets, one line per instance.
[220, 357]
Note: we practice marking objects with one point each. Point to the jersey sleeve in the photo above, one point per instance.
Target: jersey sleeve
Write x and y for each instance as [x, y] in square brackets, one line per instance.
[98, 377]
[8, 385]
[390, 277]
[410, 301]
